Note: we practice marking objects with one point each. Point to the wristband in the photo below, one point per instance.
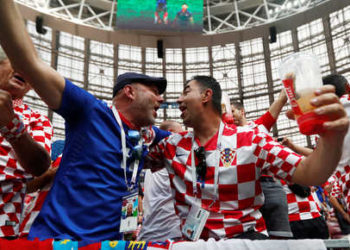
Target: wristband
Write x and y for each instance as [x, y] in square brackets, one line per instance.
[14, 129]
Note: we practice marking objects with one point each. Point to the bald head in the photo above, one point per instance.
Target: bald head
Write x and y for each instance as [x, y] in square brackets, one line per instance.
[171, 126]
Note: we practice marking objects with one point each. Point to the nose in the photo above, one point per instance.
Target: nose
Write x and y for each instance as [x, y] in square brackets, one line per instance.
[160, 99]
[179, 100]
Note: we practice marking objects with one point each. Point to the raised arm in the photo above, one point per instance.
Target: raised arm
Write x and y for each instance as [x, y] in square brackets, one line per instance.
[296, 148]
[269, 118]
[320, 164]
[277, 105]
[24, 59]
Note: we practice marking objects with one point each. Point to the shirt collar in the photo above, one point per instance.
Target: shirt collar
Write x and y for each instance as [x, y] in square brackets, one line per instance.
[127, 122]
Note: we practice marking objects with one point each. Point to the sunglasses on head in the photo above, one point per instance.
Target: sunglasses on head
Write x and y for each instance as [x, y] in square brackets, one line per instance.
[201, 168]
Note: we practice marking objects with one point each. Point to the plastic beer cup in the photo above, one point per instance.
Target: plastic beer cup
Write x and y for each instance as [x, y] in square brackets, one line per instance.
[301, 76]
[227, 116]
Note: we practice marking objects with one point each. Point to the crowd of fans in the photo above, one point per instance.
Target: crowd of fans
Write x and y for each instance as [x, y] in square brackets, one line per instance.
[216, 179]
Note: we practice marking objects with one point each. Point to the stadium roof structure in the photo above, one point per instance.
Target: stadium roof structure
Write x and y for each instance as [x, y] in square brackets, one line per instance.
[82, 43]
[219, 16]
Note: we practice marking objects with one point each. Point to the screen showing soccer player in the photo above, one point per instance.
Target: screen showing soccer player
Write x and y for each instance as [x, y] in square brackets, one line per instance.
[174, 15]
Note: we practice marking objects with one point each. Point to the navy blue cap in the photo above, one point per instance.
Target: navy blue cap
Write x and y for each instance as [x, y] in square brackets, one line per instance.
[130, 77]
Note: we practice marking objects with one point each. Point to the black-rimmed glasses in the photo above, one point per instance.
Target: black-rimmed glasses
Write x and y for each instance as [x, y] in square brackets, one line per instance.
[201, 168]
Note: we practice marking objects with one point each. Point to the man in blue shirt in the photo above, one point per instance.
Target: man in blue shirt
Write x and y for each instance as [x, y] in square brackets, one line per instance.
[101, 149]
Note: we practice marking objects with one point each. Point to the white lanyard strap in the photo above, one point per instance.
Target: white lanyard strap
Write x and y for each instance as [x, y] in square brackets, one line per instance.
[216, 172]
[123, 163]
[136, 166]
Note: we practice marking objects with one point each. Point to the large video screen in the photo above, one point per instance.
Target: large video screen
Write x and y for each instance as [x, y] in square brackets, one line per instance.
[173, 15]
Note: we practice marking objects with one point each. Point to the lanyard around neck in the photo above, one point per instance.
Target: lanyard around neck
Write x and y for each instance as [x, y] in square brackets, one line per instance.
[217, 158]
[123, 163]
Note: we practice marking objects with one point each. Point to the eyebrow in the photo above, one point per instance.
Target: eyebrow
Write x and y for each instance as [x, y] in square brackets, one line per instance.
[187, 87]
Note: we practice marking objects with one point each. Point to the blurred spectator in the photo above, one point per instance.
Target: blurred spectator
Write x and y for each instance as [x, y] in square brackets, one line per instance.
[275, 208]
[340, 194]
[36, 193]
[305, 218]
[160, 220]
[25, 143]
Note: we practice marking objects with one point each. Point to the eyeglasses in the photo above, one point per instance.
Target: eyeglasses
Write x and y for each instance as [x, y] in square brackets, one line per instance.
[201, 168]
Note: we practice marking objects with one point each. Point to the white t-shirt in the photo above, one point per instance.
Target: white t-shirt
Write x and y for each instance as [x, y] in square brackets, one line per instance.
[160, 220]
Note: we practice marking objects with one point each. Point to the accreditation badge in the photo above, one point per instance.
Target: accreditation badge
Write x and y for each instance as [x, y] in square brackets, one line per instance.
[129, 213]
[195, 222]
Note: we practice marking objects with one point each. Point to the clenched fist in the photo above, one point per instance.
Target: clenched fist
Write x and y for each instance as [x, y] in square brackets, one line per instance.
[6, 109]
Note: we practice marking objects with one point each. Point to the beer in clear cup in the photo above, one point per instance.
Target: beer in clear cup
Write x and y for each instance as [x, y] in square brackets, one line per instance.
[301, 76]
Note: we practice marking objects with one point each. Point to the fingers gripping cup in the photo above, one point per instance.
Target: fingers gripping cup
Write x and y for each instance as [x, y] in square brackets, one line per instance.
[301, 76]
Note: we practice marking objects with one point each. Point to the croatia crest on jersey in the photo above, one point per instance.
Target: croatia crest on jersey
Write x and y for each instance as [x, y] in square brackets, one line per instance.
[227, 156]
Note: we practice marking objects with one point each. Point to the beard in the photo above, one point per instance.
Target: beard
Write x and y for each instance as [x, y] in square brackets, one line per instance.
[144, 111]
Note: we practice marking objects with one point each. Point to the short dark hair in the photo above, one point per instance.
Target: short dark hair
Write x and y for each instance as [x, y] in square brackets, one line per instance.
[338, 81]
[208, 82]
[238, 105]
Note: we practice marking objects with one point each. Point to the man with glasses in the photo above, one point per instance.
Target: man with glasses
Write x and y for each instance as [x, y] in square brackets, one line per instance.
[219, 182]
[103, 153]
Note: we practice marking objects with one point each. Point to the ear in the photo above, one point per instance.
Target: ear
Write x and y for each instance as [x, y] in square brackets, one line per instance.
[129, 92]
[207, 95]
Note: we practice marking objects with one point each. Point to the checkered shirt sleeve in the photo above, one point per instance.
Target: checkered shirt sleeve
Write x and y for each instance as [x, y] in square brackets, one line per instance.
[274, 158]
[243, 155]
[300, 208]
[12, 176]
[265, 122]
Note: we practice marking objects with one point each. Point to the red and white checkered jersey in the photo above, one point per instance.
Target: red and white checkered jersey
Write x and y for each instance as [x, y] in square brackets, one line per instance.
[342, 172]
[264, 123]
[12, 176]
[344, 184]
[336, 189]
[244, 154]
[33, 203]
[300, 208]
[345, 158]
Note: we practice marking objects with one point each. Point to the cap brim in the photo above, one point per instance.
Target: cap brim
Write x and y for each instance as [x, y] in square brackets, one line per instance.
[157, 81]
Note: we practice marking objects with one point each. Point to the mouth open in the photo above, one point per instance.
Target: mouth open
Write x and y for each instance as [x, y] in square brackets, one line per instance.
[19, 80]
[182, 109]
[155, 109]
